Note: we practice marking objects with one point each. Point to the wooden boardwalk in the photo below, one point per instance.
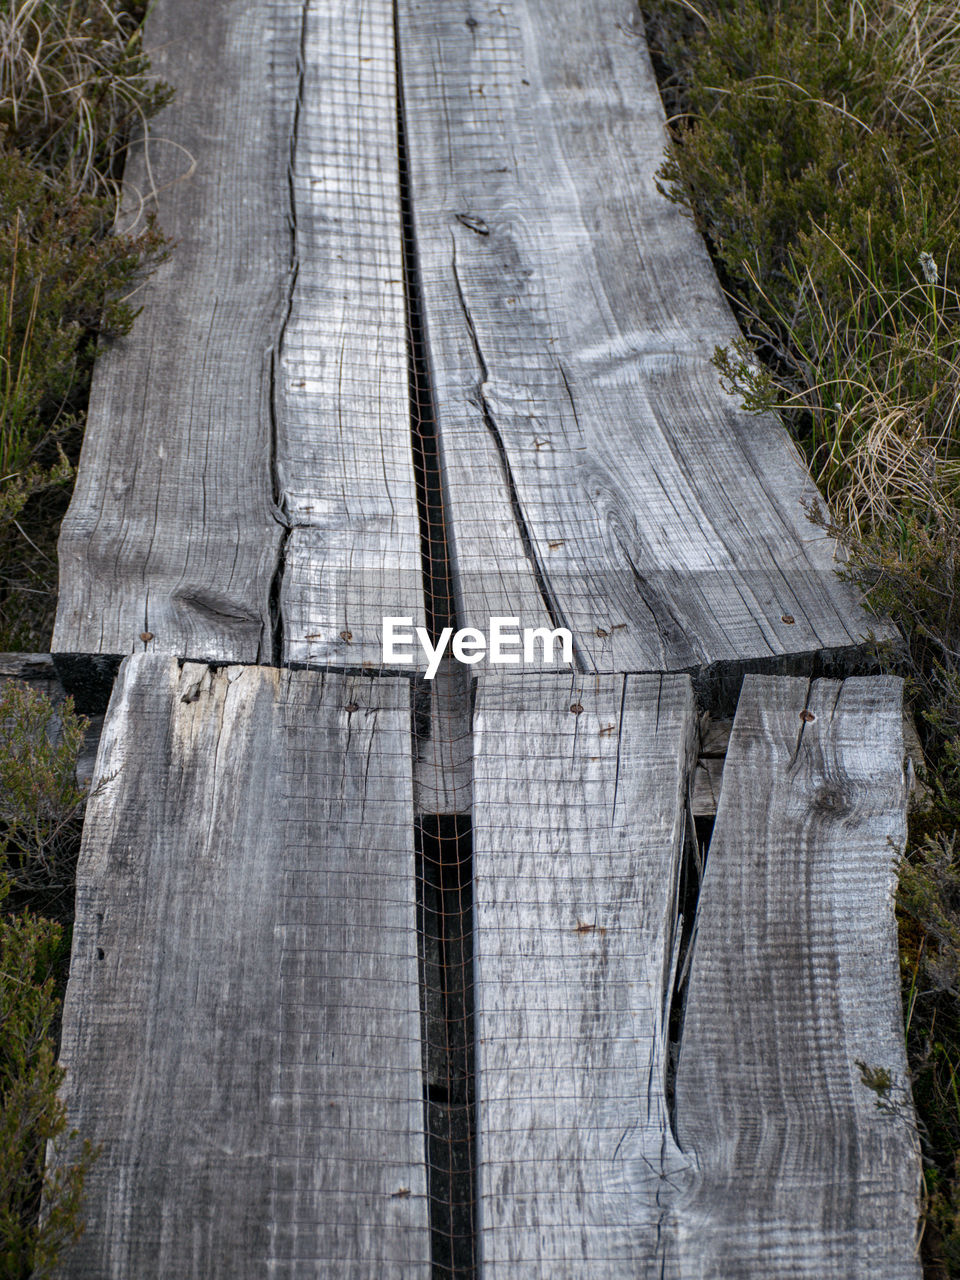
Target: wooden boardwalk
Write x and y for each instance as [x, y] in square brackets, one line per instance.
[375, 976]
[254, 431]
[251, 1065]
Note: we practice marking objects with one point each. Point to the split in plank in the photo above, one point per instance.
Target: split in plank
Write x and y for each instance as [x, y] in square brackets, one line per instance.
[242, 1021]
[794, 983]
[580, 793]
[571, 313]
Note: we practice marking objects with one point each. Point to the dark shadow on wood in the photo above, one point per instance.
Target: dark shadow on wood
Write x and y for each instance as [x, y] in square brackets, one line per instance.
[445, 931]
[696, 846]
[437, 574]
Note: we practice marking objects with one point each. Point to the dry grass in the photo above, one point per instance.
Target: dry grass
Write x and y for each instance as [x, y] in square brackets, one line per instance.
[73, 84]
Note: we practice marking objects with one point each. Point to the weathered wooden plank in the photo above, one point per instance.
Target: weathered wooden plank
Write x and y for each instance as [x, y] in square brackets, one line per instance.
[794, 981]
[443, 764]
[707, 781]
[580, 791]
[571, 313]
[344, 451]
[172, 531]
[242, 1022]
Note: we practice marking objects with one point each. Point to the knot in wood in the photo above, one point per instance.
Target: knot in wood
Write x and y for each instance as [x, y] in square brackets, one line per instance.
[832, 798]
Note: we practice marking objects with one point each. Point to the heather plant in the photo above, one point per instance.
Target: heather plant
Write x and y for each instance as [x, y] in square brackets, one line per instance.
[32, 1114]
[40, 814]
[41, 802]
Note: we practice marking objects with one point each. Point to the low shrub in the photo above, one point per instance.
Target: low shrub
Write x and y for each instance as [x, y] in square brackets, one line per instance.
[74, 83]
[40, 815]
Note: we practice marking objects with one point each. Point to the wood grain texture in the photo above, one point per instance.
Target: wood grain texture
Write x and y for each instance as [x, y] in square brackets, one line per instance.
[578, 827]
[572, 313]
[795, 979]
[172, 530]
[242, 1021]
[707, 782]
[443, 761]
[344, 456]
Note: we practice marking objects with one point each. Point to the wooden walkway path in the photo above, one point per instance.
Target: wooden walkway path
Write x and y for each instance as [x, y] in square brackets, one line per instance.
[375, 976]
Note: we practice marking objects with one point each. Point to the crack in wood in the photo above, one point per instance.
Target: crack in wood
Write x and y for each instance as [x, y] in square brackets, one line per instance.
[444, 841]
[490, 422]
[280, 513]
[445, 932]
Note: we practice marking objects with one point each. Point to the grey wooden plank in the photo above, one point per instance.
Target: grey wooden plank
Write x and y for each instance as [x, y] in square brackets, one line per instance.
[172, 532]
[443, 763]
[242, 1021]
[344, 450]
[794, 979]
[35, 669]
[707, 781]
[579, 789]
[571, 313]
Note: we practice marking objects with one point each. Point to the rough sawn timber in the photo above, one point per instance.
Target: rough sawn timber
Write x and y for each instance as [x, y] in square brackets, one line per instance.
[794, 983]
[247, 470]
[242, 1021]
[571, 313]
[580, 804]
[172, 532]
[344, 452]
